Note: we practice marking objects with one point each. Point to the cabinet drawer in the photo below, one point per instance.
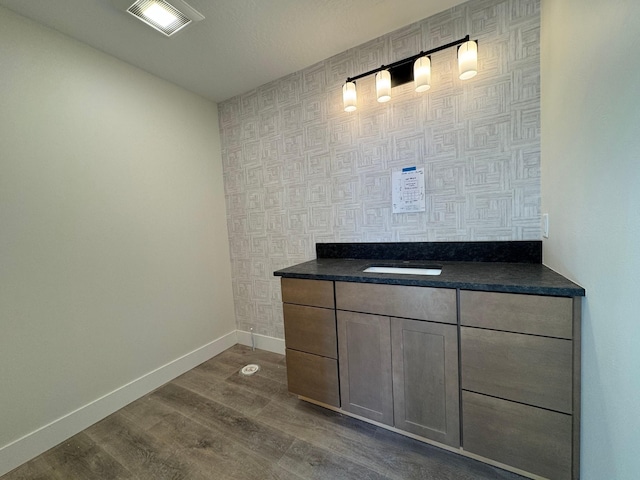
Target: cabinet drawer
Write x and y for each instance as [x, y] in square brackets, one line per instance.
[313, 376]
[317, 293]
[538, 315]
[523, 368]
[421, 303]
[310, 329]
[532, 439]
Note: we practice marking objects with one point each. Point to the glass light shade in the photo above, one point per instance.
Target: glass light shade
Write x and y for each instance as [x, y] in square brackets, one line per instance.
[468, 60]
[349, 97]
[422, 74]
[383, 86]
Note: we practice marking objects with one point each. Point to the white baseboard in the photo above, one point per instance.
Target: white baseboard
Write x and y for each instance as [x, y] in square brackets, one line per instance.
[263, 342]
[33, 444]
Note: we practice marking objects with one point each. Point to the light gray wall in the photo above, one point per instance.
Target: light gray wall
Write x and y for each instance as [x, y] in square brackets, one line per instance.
[114, 253]
[299, 170]
[590, 187]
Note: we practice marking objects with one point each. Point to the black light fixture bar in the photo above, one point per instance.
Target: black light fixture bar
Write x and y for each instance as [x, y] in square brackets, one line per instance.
[400, 63]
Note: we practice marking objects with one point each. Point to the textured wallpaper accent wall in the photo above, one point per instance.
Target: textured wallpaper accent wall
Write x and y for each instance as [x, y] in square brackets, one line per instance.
[299, 170]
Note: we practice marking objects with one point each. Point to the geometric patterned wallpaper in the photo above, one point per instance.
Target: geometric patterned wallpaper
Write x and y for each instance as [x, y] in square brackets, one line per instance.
[299, 170]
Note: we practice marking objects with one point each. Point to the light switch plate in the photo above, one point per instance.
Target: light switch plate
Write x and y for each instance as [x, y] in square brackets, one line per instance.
[545, 225]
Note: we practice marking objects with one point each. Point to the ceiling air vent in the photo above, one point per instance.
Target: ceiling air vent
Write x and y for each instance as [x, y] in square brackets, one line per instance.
[167, 18]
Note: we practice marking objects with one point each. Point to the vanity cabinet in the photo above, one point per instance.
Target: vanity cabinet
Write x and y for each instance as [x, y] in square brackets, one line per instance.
[494, 376]
[520, 380]
[311, 340]
[400, 371]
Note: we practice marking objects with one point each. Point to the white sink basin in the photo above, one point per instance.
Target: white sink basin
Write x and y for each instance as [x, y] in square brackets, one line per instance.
[404, 270]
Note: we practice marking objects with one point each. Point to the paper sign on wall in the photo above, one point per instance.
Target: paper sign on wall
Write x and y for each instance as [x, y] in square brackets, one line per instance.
[408, 190]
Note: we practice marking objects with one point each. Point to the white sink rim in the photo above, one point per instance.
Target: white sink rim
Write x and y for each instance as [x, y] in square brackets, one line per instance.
[403, 270]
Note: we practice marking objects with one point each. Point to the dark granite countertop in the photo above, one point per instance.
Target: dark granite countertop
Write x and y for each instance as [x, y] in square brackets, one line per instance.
[529, 278]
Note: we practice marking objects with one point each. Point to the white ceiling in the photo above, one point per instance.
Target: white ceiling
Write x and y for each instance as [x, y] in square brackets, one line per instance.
[240, 45]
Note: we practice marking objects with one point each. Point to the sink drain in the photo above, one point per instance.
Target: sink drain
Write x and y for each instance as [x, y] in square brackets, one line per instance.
[250, 369]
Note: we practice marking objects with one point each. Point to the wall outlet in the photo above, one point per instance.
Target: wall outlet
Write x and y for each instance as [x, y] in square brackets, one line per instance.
[545, 225]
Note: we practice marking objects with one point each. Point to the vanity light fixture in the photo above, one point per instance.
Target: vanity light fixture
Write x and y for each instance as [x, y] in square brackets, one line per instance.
[167, 18]
[415, 69]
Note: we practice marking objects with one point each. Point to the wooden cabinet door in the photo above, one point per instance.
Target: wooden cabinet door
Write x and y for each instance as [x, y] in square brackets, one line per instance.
[425, 379]
[364, 344]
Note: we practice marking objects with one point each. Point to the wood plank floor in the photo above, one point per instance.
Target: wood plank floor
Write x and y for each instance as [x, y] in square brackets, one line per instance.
[213, 423]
